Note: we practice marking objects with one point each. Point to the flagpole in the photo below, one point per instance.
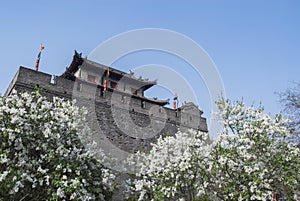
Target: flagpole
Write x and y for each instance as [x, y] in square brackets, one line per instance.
[37, 62]
[175, 103]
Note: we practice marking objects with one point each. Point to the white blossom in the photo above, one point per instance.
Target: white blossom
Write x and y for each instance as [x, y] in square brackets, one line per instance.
[41, 154]
[249, 160]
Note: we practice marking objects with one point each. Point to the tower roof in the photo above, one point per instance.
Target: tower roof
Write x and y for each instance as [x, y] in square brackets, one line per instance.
[82, 68]
[118, 75]
[82, 63]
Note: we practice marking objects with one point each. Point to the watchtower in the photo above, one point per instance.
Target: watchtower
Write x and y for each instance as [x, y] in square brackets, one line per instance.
[116, 102]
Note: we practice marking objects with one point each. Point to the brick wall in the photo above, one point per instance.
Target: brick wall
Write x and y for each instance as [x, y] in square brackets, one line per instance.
[126, 124]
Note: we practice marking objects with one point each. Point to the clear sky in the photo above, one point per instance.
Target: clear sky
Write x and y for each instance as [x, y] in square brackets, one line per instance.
[254, 44]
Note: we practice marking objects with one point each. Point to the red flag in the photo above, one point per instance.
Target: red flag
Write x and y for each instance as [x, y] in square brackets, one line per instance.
[37, 64]
[37, 61]
[174, 105]
[105, 85]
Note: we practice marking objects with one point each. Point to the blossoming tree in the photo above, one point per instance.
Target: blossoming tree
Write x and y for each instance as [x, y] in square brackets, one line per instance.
[174, 168]
[251, 159]
[41, 154]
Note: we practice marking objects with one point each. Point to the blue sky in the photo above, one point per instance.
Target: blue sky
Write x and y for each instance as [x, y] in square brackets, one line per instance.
[254, 44]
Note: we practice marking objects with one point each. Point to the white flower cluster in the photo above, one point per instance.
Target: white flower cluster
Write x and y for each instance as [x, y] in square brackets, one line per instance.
[41, 155]
[250, 160]
[173, 168]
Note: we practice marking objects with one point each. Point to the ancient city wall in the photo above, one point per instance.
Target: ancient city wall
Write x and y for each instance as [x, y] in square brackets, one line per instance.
[127, 124]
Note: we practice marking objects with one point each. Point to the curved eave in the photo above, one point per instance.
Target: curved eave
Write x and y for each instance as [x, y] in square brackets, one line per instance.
[122, 75]
[158, 102]
[138, 82]
[70, 71]
[148, 85]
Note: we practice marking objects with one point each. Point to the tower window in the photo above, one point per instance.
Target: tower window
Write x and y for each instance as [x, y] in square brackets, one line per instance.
[123, 100]
[91, 78]
[79, 86]
[143, 104]
[113, 84]
[53, 79]
[133, 91]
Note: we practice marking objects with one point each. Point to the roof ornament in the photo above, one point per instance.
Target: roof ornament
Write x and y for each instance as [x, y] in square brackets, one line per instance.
[131, 73]
[77, 56]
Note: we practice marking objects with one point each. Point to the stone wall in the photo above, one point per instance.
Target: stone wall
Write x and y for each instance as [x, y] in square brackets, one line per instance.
[124, 121]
